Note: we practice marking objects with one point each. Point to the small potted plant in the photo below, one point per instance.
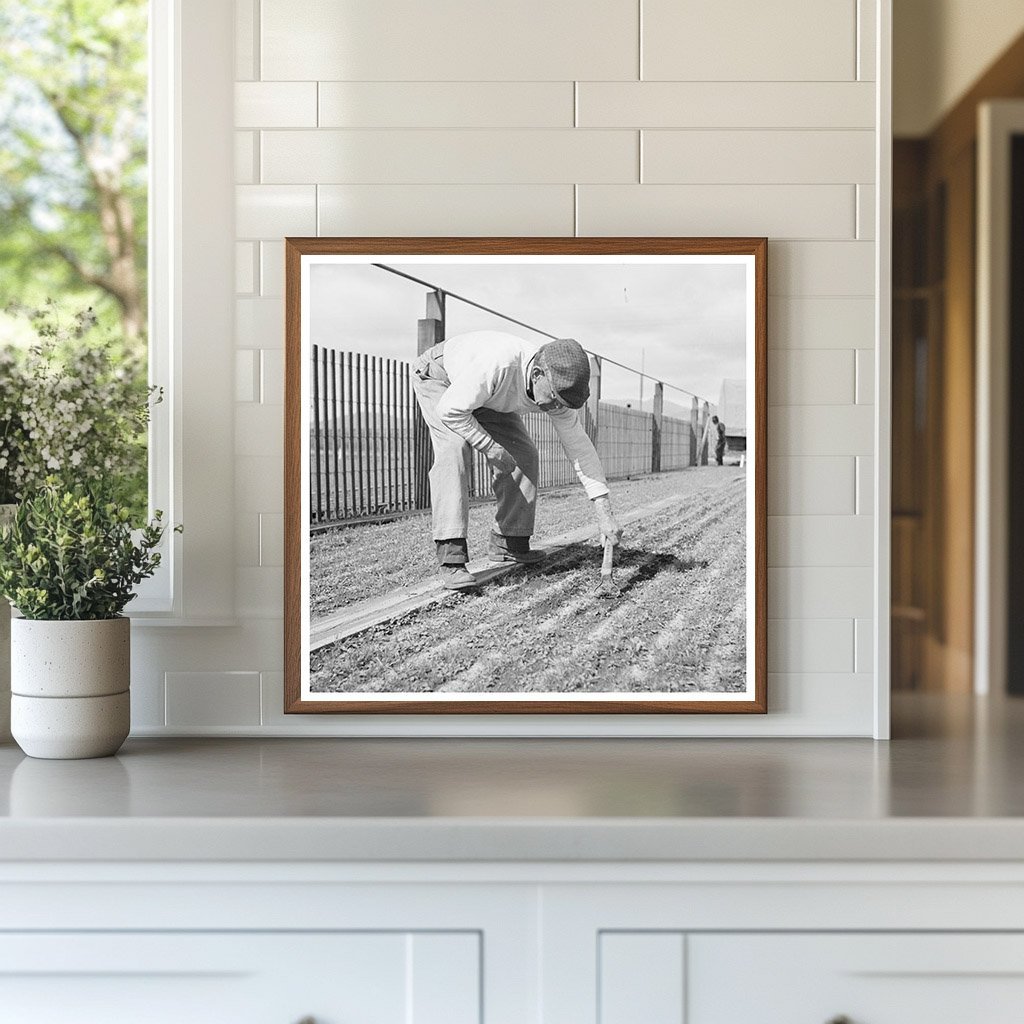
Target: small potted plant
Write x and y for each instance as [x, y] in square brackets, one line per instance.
[69, 563]
[73, 402]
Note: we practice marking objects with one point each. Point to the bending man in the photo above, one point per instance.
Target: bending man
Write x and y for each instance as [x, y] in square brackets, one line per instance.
[472, 389]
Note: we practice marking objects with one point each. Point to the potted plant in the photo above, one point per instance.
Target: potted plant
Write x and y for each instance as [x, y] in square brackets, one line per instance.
[69, 563]
[70, 404]
[73, 403]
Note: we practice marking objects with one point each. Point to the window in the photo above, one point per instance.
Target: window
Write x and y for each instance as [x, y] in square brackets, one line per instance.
[174, 149]
[74, 221]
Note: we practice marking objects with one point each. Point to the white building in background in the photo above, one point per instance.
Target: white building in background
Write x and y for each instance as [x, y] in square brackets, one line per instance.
[732, 411]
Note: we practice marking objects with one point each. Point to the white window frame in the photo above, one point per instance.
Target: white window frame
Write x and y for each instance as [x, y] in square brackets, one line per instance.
[191, 275]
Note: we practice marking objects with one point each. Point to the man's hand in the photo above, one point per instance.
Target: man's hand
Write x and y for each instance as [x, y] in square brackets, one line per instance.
[499, 459]
[606, 521]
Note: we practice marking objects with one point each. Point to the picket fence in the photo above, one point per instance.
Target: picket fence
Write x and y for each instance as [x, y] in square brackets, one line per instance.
[370, 450]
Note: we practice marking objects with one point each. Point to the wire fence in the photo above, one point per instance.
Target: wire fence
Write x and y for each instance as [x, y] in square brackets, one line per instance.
[678, 444]
[625, 441]
[370, 451]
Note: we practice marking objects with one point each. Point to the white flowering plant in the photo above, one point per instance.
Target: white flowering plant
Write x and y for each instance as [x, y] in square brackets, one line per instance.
[73, 407]
[71, 554]
[11, 432]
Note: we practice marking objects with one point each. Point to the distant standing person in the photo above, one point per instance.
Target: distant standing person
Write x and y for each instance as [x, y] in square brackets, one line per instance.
[472, 389]
[715, 431]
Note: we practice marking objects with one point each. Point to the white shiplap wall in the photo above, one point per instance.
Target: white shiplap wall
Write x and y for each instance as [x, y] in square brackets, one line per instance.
[553, 117]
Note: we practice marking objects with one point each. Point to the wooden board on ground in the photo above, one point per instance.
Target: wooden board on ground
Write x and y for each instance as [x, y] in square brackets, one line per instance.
[357, 617]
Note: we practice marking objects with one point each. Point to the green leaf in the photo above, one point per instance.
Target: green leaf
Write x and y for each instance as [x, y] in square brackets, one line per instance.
[51, 571]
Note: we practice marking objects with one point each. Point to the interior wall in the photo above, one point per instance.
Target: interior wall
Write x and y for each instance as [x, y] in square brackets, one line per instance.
[940, 48]
[620, 117]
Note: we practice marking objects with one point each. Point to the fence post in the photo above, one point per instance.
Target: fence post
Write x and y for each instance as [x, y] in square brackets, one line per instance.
[705, 414]
[430, 330]
[594, 401]
[694, 434]
[659, 410]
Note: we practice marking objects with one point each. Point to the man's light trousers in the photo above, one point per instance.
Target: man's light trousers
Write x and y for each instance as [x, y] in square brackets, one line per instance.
[516, 492]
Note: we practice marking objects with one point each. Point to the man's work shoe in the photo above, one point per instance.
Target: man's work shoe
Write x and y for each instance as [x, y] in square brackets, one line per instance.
[512, 549]
[457, 577]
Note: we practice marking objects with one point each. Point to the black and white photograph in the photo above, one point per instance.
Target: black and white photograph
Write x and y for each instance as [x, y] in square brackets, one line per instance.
[525, 480]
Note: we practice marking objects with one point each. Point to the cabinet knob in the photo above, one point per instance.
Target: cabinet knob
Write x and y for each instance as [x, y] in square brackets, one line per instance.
[306, 1020]
[841, 1019]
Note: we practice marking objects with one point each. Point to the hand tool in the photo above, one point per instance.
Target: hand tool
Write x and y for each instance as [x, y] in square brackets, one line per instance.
[608, 587]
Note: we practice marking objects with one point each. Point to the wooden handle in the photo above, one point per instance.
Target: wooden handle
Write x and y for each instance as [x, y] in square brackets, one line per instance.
[609, 555]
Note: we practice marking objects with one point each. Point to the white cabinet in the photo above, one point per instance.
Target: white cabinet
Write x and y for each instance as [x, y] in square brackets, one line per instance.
[263, 944]
[786, 944]
[907, 978]
[435, 978]
[511, 943]
[868, 979]
[641, 977]
[241, 978]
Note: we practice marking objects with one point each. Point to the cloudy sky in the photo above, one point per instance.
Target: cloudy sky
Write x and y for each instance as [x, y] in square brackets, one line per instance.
[685, 323]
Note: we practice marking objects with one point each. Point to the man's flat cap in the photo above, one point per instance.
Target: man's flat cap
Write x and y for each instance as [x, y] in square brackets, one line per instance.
[568, 369]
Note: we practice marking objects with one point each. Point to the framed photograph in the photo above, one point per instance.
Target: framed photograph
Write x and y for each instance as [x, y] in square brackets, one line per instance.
[525, 475]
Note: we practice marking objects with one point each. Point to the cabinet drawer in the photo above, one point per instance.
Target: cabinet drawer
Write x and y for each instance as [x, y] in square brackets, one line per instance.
[242, 978]
[866, 978]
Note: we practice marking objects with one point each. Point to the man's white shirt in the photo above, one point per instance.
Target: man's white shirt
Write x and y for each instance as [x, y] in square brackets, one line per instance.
[488, 369]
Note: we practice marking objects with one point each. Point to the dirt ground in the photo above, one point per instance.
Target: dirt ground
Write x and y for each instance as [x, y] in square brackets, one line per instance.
[679, 624]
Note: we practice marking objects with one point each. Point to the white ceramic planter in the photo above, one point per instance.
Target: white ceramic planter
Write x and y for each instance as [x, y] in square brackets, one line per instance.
[6, 515]
[80, 658]
[69, 683]
[68, 727]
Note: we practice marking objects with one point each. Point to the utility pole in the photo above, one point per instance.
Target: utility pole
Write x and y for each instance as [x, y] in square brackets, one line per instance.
[659, 411]
[429, 332]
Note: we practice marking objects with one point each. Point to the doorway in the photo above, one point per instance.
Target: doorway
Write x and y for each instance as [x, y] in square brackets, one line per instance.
[999, 492]
[958, 563]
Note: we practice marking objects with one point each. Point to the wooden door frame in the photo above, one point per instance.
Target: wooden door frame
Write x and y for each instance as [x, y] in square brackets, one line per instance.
[998, 121]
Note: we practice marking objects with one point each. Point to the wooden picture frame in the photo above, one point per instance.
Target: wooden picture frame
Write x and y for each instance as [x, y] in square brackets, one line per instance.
[369, 627]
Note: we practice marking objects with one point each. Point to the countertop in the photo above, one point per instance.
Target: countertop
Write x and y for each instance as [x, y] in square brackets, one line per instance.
[946, 788]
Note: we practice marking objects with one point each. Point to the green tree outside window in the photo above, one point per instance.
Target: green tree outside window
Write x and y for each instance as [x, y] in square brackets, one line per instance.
[73, 175]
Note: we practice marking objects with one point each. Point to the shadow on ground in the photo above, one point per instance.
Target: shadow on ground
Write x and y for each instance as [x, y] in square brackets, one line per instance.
[633, 566]
[649, 564]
